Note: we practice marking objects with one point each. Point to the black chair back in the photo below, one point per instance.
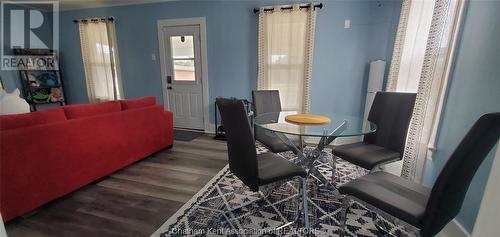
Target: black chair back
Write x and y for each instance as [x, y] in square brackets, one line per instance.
[392, 112]
[240, 141]
[449, 190]
[266, 101]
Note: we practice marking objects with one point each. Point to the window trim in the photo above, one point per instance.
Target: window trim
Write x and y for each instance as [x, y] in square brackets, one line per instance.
[447, 77]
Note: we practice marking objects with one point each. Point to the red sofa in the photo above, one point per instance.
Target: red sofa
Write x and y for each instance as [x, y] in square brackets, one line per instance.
[45, 155]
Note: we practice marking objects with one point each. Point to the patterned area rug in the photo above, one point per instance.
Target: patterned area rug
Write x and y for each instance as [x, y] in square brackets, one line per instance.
[205, 214]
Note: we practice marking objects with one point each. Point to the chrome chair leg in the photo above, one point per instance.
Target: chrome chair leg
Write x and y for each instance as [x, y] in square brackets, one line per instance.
[304, 203]
[381, 226]
[335, 179]
[302, 207]
[264, 192]
[343, 216]
[298, 211]
[229, 209]
[375, 169]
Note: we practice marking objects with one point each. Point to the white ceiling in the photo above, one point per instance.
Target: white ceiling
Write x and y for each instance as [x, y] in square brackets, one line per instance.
[80, 4]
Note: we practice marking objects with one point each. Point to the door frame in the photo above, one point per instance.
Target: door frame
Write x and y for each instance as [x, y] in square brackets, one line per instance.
[201, 22]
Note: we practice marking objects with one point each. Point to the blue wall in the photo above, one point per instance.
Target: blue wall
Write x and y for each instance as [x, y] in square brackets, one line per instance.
[341, 56]
[340, 62]
[474, 90]
[340, 59]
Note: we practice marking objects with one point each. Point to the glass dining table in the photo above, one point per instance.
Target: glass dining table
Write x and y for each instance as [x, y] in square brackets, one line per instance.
[340, 125]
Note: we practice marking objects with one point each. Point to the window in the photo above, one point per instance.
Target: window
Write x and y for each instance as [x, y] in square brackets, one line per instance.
[183, 58]
[100, 59]
[422, 61]
[412, 58]
[286, 39]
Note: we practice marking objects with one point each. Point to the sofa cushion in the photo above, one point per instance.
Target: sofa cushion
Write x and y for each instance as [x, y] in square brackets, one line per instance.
[138, 103]
[87, 110]
[13, 121]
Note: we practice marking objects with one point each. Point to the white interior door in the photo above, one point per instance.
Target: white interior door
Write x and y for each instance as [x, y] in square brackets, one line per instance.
[183, 69]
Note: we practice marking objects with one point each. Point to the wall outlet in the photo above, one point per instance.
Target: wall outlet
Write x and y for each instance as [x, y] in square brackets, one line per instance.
[153, 57]
[347, 24]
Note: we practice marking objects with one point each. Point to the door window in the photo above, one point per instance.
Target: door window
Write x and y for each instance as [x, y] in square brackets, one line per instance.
[182, 48]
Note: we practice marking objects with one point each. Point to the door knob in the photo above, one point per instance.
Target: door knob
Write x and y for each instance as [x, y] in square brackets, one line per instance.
[169, 88]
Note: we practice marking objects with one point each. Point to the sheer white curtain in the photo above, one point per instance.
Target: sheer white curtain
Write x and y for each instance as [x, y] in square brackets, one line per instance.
[286, 41]
[100, 60]
[421, 62]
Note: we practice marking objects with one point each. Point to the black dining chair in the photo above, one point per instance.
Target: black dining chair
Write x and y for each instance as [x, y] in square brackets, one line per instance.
[391, 112]
[428, 210]
[268, 101]
[255, 170]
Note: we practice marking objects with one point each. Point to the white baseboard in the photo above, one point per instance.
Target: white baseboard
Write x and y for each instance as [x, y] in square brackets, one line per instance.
[454, 229]
[210, 129]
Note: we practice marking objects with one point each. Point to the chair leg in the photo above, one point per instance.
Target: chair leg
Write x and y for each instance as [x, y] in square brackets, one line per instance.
[343, 220]
[335, 179]
[381, 226]
[304, 203]
[375, 169]
[229, 209]
[264, 192]
[298, 211]
[301, 143]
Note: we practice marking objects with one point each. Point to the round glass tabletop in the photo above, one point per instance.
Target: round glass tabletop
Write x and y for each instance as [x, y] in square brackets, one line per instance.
[340, 125]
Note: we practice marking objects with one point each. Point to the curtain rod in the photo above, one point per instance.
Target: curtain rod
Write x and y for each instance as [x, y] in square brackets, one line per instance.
[94, 19]
[316, 5]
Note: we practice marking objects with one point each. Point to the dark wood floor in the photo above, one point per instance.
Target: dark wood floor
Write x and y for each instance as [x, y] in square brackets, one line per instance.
[134, 201]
